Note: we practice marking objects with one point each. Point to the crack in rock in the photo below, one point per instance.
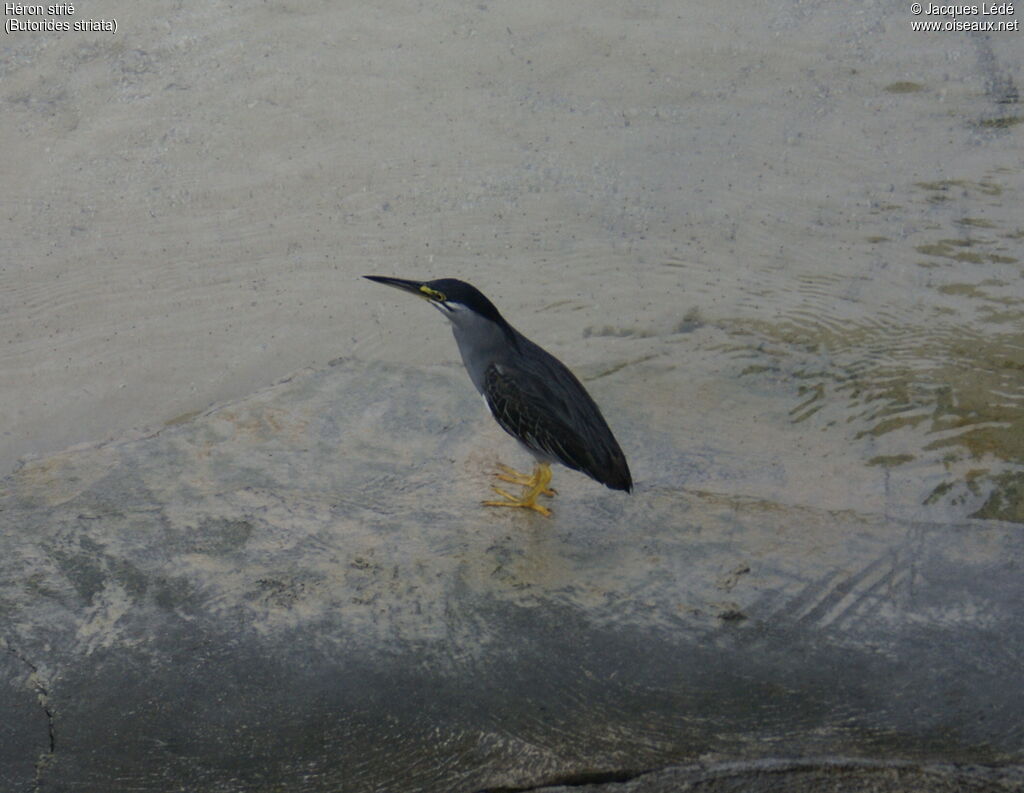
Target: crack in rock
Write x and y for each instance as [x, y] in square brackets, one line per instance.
[579, 779]
[38, 684]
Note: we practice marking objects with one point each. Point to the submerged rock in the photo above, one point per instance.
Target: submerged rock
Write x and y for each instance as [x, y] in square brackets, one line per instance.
[301, 591]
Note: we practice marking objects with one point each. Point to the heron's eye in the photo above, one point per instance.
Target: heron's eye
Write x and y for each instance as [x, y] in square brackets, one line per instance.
[433, 294]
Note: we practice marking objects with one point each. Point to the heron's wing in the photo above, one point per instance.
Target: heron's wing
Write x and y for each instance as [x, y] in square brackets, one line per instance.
[523, 409]
[549, 411]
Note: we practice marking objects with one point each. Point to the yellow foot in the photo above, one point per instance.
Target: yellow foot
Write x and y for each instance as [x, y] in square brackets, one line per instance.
[535, 486]
[512, 501]
[526, 480]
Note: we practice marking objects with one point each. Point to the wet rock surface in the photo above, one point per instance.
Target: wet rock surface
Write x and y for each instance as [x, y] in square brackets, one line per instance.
[299, 591]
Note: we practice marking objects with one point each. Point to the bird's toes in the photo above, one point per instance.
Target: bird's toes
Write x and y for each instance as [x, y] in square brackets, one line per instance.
[504, 494]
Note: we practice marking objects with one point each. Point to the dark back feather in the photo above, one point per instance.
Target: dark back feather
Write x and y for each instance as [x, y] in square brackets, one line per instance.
[537, 400]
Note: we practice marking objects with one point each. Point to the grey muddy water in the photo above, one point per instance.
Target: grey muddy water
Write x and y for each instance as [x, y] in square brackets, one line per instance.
[789, 236]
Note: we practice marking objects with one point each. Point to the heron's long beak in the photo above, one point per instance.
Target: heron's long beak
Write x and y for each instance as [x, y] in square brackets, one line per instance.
[417, 288]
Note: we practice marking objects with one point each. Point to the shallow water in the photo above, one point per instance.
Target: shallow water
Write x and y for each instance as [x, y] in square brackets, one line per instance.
[795, 255]
[906, 356]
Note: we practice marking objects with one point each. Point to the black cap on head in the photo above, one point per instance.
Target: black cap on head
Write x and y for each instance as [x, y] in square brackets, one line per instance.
[445, 290]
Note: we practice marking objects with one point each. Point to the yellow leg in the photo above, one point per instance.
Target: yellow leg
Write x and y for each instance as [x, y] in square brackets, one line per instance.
[535, 486]
[517, 478]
